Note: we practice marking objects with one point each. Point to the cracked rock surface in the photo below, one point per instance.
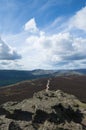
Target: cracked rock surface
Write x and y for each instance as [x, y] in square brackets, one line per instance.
[51, 110]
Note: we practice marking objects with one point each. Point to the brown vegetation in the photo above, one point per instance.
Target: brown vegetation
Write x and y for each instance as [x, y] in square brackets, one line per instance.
[75, 85]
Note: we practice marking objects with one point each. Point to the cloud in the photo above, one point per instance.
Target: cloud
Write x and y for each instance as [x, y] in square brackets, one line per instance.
[74, 24]
[79, 20]
[7, 53]
[58, 50]
[11, 64]
[31, 26]
[54, 3]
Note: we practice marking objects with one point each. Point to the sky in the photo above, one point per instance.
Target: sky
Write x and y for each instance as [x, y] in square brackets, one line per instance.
[42, 34]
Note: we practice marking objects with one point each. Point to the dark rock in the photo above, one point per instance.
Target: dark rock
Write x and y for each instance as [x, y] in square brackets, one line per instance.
[40, 116]
[52, 110]
[68, 114]
[14, 126]
[20, 115]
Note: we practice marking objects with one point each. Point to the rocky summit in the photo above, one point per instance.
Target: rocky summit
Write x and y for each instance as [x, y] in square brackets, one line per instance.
[47, 110]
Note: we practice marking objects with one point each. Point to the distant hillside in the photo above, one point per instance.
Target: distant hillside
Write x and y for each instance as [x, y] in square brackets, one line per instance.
[8, 77]
[83, 71]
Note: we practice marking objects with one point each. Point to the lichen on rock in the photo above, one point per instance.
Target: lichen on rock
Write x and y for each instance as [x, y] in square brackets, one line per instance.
[52, 110]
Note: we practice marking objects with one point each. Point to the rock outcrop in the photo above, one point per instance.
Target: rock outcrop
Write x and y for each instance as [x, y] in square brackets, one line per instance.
[51, 110]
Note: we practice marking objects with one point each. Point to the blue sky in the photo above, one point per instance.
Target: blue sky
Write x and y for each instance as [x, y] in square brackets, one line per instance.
[45, 34]
[17, 12]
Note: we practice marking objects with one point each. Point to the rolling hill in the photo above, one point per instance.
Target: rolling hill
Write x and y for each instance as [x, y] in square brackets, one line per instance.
[8, 77]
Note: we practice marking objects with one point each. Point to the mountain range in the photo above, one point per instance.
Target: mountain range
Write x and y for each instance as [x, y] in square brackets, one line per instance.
[8, 77]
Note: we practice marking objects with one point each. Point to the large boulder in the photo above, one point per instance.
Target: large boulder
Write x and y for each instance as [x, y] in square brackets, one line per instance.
[51, 110]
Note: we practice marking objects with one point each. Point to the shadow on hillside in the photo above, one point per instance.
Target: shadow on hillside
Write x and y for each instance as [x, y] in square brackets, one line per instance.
[60, 115]
[68, 114]
[20, 115]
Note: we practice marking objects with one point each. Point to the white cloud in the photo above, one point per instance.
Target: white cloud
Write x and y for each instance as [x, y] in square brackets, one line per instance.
[79, 20]
[31, 26]
[60, 49]
[7, 52]
[11, 64]
[55, 49]
[75, 23]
